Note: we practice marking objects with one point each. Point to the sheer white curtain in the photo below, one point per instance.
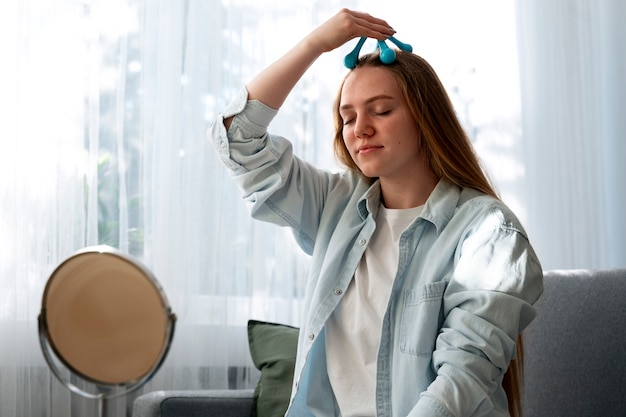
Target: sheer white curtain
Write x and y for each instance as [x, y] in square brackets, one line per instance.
[103, 112]
[104, 108]
[573, 61]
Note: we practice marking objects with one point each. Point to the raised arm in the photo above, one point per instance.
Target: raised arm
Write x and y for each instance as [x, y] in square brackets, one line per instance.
[272, 85]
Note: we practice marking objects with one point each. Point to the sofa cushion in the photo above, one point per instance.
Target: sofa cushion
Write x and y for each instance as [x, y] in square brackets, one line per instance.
[188, 403]
[273, 350]
[574, 357]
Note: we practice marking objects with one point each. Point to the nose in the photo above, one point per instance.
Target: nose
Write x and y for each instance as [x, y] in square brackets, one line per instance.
[363, 128]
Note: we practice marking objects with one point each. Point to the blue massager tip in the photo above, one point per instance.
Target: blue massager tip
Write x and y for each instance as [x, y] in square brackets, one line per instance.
[350, 60]
[403, 46]
[387, 55]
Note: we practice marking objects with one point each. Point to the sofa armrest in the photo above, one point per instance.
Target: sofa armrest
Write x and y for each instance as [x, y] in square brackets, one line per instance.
[205, 403]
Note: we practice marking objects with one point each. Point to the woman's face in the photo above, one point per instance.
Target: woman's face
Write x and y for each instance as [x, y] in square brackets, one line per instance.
[379, 131]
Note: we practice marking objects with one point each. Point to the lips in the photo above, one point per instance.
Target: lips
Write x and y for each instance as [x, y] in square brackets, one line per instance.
[365, 149]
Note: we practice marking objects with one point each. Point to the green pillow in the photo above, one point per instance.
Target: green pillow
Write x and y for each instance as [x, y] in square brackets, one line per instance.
[273, 350]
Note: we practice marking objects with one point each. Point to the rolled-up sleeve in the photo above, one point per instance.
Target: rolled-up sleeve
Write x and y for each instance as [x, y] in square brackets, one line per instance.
[244, 146]
[277, 186]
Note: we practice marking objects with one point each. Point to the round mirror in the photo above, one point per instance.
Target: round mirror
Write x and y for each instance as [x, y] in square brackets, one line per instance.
[106, 318]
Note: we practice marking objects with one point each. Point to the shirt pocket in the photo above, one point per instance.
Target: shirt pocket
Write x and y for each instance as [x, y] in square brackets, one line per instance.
[422, 317]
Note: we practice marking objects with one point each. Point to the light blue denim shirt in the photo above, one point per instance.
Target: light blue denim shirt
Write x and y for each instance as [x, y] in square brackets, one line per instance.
[465, 287]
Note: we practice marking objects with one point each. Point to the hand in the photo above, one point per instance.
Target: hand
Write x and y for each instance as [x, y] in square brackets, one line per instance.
[272, 85]
[347, 25]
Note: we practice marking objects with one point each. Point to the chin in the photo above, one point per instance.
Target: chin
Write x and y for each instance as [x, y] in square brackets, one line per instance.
[370, 173]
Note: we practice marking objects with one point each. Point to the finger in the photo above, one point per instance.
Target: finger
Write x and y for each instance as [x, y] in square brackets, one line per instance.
[371, 27]
[366, 17]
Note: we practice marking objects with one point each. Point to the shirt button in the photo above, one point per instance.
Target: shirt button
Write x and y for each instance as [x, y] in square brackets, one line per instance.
[223, 145]
[311, 336]
[362, 242]
[338, 291]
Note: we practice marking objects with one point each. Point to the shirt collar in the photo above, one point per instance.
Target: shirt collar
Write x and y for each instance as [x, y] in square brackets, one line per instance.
[442, 204]
[438, 210]
[369, 201]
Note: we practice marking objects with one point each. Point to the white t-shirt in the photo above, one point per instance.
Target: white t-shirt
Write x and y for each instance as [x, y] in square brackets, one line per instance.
[353, 330]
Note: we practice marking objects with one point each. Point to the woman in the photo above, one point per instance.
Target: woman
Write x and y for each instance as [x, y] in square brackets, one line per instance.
[421, 278]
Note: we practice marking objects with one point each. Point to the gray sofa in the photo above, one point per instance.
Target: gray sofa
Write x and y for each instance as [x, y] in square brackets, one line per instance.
[575, 356]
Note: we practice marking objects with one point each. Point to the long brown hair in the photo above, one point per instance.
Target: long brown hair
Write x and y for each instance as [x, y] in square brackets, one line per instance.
[448, 151]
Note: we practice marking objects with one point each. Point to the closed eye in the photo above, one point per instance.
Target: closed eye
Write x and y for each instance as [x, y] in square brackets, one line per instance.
[347, 119]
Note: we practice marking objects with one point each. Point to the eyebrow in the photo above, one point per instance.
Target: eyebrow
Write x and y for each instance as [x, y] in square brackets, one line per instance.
[368, 101]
